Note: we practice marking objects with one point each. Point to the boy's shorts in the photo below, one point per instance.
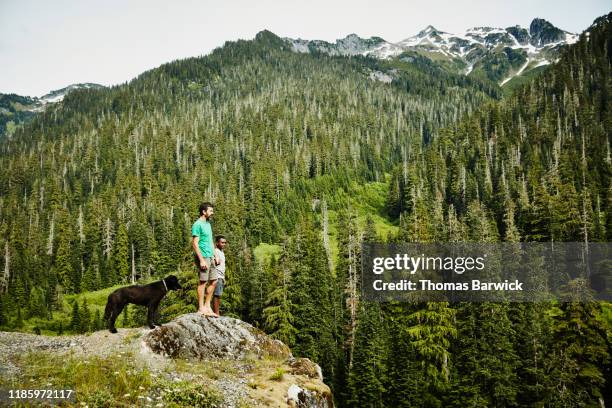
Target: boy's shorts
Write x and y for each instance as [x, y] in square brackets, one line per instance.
[207, 274]
[219, 287]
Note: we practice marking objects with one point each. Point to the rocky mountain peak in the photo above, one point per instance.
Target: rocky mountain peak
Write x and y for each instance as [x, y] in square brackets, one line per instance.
[497, 53]
[543, 32]
[519, 33]
[427, 31]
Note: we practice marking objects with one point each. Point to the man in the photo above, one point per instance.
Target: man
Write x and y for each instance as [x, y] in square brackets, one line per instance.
[220, 242]
[202, 242]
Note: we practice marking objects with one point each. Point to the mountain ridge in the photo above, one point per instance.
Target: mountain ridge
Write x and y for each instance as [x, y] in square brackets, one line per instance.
[517, 48]
[18, 109]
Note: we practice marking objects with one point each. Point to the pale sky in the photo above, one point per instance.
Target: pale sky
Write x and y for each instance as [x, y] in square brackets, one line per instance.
[49, 44]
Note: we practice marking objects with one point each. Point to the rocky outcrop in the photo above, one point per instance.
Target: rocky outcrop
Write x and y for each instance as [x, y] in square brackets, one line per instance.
[195, 336]
[228, 358]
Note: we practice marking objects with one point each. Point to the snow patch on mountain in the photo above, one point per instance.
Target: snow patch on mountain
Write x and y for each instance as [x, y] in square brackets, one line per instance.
[519, 72]
[381, 76]
[39, 104]
[541, 63]
[540, 42]
[58, 95]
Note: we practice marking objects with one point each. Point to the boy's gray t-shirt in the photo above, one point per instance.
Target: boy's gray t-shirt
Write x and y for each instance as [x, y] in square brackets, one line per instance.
[221, 267]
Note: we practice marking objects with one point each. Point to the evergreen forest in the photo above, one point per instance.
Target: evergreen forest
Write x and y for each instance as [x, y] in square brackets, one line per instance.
[305, 157]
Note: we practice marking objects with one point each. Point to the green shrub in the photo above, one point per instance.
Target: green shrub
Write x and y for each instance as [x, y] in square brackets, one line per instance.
[278, 375]
[186, 394]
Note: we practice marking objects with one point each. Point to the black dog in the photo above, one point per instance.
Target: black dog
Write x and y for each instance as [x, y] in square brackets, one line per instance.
[145, 295]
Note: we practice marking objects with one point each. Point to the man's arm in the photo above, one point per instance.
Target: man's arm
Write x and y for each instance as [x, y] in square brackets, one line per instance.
[194, 242]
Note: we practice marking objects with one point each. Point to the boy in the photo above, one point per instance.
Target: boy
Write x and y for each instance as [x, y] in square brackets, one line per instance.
[220, 271]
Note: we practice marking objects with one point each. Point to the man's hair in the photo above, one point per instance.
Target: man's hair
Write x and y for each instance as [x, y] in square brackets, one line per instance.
[219, 237]
[204, 207]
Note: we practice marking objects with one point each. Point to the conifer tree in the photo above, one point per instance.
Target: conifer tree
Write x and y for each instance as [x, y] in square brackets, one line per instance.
[91, 278]
[121, 266]
[19, 319]
[232, 290]
[3, 319]
[346, 298]
[97, 323]
[37, 306]
[367, 374]
[278, 319]
[64, 267]
[311, 296]
[580, 353]
[75, 321]
[84, 317]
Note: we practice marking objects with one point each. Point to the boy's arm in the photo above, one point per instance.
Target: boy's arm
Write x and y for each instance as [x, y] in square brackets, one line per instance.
[214, 251]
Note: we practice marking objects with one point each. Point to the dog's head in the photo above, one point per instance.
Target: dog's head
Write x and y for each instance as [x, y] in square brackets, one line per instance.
[172, 282]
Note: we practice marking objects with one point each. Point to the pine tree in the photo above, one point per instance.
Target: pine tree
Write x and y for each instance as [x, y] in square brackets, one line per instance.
[405, 385]
[84, 317]
[91, 279]
[3, 319]
[311, 296]
[37, 306]
[580, 354]
[64, 267]
[97, 323]
[121, 266]
[19, 319]
[346, 299]
[532, 337]
[367, 374]
[278, 319]
[75, 321]
[52, 295]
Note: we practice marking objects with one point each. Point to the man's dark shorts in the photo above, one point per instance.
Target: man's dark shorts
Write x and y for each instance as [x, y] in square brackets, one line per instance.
[219, 287]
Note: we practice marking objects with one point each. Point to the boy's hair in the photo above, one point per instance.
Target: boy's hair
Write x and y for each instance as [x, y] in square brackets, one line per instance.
[204, 206]
[219, 237]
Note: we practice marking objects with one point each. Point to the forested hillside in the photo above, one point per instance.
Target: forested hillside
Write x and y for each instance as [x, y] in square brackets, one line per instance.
[296, 151]
[104, 187]
[14, 109]
[535, 167]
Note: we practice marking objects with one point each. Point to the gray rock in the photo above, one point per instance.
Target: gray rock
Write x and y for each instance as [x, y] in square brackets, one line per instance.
[196, 336]
[301, 398]
[303, 366]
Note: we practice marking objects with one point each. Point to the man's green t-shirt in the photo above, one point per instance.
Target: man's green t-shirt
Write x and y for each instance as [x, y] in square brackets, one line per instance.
[202, 230]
